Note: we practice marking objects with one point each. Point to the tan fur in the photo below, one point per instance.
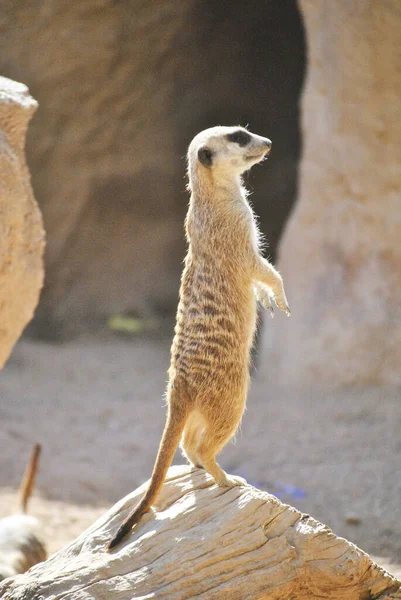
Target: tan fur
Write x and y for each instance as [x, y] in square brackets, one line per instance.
[216, 317]
[20, 543]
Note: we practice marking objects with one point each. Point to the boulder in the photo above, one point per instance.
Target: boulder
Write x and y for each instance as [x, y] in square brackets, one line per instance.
[340, 255]
[123, 88]
[21, 228]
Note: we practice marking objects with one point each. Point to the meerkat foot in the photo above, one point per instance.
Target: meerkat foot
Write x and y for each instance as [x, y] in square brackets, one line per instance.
[221, 477]
[231, 481]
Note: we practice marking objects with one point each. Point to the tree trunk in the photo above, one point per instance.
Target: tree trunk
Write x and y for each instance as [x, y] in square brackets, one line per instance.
[202, 541]
[341, 253]
[21, 229]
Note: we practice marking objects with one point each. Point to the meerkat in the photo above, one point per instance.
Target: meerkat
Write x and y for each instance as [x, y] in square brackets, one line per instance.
[224, 274]
[20, 543]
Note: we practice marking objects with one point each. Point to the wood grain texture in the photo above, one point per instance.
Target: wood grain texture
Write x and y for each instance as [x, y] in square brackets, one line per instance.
[206, 542]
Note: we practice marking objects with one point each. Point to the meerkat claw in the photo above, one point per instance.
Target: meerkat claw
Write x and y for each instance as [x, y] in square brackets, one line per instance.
[267, 305]
[282, 305]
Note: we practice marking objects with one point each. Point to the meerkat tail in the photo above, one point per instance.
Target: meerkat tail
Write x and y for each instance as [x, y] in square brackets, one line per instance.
[169, 443]
[28, 480]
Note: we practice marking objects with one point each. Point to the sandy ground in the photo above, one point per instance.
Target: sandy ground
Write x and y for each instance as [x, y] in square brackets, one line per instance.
[97, 407]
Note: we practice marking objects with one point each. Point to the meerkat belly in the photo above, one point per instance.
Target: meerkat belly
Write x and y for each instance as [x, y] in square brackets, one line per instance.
[214, 332]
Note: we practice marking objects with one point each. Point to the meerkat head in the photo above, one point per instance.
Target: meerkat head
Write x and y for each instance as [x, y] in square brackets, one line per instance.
[224, 152]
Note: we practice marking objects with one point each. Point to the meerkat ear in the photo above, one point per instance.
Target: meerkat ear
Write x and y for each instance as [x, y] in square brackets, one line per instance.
[205, 156]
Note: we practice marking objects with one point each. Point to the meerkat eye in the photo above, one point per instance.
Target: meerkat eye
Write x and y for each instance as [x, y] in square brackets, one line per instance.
[240, 137]
[205, 156]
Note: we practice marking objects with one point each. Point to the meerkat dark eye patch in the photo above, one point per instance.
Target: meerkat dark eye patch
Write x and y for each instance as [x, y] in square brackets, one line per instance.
[205, 156]
[240, 137]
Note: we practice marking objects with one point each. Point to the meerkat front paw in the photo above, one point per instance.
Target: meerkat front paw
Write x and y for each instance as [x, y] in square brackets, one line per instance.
[265, 297]
[281, 300]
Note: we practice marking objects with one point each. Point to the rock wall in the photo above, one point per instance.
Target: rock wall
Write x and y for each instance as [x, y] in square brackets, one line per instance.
[21, 230]
[123, 87]
[341, 252]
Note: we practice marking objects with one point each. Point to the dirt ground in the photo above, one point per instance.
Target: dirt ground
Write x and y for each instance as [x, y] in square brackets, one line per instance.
[96, 405]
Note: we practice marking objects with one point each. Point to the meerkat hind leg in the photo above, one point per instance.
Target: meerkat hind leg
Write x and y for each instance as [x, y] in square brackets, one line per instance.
[211, 443]
[190, 438]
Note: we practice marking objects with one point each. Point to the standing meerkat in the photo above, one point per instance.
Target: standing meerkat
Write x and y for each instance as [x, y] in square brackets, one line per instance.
[224, 273]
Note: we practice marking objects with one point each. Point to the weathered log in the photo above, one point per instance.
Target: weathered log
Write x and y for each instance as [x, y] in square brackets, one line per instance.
[202, 541]
[21, 228]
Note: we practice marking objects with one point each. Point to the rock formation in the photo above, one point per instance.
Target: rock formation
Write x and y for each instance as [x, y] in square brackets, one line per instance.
[123, 88]
[341, 252]
[21, 230]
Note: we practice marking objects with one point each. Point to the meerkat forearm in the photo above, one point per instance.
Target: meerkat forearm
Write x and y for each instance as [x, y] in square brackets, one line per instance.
[264, 273]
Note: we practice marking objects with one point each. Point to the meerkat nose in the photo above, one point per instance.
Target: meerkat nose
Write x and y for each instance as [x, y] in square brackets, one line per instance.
[268, 145]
